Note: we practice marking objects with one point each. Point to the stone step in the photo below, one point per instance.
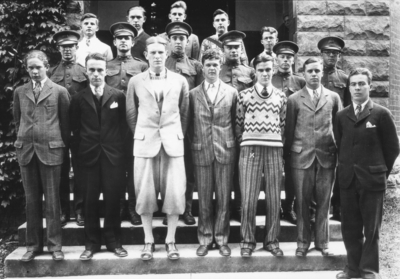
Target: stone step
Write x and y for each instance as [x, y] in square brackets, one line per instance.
[105, 263]
[74, 235]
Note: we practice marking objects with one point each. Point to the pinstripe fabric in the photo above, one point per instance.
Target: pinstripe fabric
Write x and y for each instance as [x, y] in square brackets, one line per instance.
[39, 179]
[254, 160]
[215, 177]
[317, 180]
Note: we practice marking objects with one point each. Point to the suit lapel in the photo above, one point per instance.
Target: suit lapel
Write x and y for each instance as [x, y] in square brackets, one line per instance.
[106, 95]
[147, 84]
[202, 96]
[88, 96]
[307, 99]
[350, 113]
[366, 111]
[220, 94]
[46, 91]
[29, 91]
[168, 83]
[322, 99]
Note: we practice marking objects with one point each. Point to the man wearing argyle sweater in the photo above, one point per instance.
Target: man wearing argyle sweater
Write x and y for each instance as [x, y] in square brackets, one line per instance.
[260, 123]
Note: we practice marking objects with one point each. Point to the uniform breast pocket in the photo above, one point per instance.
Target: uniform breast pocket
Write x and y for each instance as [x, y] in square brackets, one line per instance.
[50, 109]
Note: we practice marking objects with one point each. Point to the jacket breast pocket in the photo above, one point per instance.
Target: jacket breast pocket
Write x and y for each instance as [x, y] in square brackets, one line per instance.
[50, 109]
[18, 144]
[245, 80]
[180, 136]
[378, 169]
[113, 72]
[132, 73]
[138, 136]
[56, 144]
[230, 143]
[296, 149]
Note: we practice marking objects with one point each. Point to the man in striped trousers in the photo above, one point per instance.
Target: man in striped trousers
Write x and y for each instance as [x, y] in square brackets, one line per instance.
[260, 122]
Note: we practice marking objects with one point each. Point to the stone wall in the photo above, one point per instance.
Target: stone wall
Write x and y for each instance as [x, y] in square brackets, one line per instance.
[364, 25]
[394, 103]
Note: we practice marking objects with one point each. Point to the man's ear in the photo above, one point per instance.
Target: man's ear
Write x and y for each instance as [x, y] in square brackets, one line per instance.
[229, 22]
[144, 19]
[145, 54]
[185, 17]
[170, 16]
[114, 42]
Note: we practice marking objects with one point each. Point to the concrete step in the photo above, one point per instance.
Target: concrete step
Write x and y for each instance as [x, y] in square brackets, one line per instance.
[74, 235]
[105, 263]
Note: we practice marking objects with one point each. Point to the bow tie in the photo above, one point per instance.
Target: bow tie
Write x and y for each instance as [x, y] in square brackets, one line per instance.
[68, 62]
[177, 55]
[124, 57]
[232, 63]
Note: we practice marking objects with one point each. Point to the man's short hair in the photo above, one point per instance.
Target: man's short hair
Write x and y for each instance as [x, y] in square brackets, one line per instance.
[312, 60]
[137, 8]
[261, 58]
[211, 54]
[95, 56]
[220, 12]
[361, 71]
[90, 15]
[156, 40]
[271, 30]
[37, 54]
[179, 4]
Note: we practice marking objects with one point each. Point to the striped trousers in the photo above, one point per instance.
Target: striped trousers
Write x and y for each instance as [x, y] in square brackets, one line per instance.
[215, 177]
[255, 160]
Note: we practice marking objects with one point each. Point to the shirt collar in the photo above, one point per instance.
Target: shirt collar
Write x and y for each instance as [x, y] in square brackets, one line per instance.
[101, 88]
[68, 62]
[260, 88]
[207, 84]
[362, 105]
[42, 82]
[140, 32]
[127, 57]
[153, 75]
[311, 91]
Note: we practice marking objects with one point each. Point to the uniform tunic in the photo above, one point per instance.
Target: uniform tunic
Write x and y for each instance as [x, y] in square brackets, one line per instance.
[240, 76]
[335, 80]
[288, 83]
[190, 68]
[69, 75]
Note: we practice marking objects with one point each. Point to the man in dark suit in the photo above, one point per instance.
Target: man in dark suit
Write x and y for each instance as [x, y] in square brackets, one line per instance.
[70, 75]
[42, 125]
[212, 137]
[368, 146]
[99, 129]
[311, 147]
[137, 17]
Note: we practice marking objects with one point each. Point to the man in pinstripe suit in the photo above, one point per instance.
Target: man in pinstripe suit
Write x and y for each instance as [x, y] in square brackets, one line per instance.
[211, 132]
[260, 122]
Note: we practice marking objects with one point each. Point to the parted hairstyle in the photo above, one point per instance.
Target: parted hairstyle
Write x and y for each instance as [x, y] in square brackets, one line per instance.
[261, 58]
[210, 54]
[361, 71]
[312, 60]
[179, 4]
[271, 30]
[37, 54]
[220, 12]
[95, 56]
[138, 8]
[90, 15]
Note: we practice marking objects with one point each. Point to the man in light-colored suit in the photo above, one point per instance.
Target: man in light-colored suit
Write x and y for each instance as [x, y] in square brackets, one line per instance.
[157, 112]
[311, 146]
[212, 136]
[42, 125]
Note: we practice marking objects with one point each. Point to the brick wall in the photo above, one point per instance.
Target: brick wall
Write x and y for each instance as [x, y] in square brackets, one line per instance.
[365, 26]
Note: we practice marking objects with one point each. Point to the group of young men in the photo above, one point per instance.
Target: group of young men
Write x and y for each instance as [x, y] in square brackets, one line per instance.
[155, 120]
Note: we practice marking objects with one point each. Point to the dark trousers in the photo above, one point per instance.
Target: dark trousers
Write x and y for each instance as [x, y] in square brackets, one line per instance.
[104, 177]
[289, 188]
[317, 182]
[190, 181]
[129, 187]
[361, 223]
[335, 200]
[237, 202]
[209, 179]
[39, 179]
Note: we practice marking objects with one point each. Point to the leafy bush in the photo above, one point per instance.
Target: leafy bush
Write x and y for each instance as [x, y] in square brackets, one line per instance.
[24, 26]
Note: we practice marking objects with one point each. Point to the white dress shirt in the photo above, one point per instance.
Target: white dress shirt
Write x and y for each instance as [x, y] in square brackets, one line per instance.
[362, 106]
[95, 45]
[213, 90]
[260, 88]
[42, 82]
[311, 92]
[100, 92]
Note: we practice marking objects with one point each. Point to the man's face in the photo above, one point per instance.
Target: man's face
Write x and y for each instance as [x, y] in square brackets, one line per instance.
[330, 57]
[96, 71]
[359, 88]
[89, 27]
[285, 62]
[68, 52]
[178, 43]
[221, 24]
[136, 18]
[264, 71]
[211, 69]
[232, 52]
[177, 14]
[286, 20]
[36, 69]
[268, 40]
[123, 43]
[156, 56]
[313, 74]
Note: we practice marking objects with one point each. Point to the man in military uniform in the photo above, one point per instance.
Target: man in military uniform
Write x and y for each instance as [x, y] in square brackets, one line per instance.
[335, 80]
[178, 13]
[70, 75]
[288, 82]
[240, 77]
[178, 62]
[136, 16]
[269, 37]
[119, 72]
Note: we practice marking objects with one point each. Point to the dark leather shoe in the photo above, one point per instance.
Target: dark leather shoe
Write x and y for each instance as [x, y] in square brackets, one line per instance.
[246, 252]
[80, 220]
[188, 218]
[301, 252]
[136, 220]
[203, 250]
[290, 216]
[86, 255]
[277, 252]
[119, 252]
[165, 221]
[64, 219]
[342, 275]
[225, 251]
[172, 251]
[147, 252]
[325, 252]
[30, 255]
[58, 255]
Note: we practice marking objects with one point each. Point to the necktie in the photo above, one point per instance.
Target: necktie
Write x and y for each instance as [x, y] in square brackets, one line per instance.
[358, 111]
[315, 99]
[264, 92]
[210, 92]
[88, 42]
[97, 92]
[36, 91]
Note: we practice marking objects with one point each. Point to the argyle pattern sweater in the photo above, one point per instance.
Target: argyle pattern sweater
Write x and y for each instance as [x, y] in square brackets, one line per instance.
[260, 120]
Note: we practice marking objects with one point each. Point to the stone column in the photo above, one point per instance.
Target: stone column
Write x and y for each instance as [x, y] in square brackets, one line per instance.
[364, 25]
